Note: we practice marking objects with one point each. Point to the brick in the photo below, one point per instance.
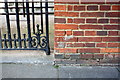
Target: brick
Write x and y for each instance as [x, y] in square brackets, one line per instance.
[92, 2]
[78, 20]
[113, 44]
[89, 39]
[103, 21]
[79, 8]
[68, 61]
[110, 39]
[109, 50]
[111, 27]
[89, 44]
[79, 45]
[78, 33]
[112, 2]
[66, 26]
[101, 45]
[117, 21]
[116, 7]
[67, 14]
[101, 33]
[92, 8]
[113, 14]
[105, 7]
[60, 20]
[60, 7]
[89, 50]
[70, 7]
[91, 26]
[67, 1]
[92, 14]
[113, 33]
[117, 56]
[68, 33]
[90, 33]
[59, 33]
[66, 50]
[69, 20]
[98, 56]
[91, 20]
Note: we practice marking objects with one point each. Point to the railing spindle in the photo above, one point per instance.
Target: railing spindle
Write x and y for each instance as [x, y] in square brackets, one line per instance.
[5, 41]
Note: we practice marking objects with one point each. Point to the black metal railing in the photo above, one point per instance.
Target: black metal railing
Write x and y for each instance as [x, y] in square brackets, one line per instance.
[34, 38]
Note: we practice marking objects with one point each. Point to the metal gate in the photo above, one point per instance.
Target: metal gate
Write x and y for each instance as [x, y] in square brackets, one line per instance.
[34, 38]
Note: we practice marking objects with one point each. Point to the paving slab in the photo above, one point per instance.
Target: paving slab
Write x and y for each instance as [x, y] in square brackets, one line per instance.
[28, 71]
[88, 72]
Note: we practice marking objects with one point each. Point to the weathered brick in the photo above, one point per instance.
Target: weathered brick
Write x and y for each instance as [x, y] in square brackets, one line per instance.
[59, 39]
[60, 20]
[113, 14]
[92, 14]
[113, 33]
[67, 14]
[78, 33]
[66, 26]
[113, 44]
[98, 56]
[70, 39]
[110, 50]
[79, 45]
[59, 45]
[91, 26]
[78, 20]
[111, 39]
[105, 7]
[103, 21]
[69, 44]
[79, 8]
[86, 56]
[91, 20]
[60, 7]
[101, 45]
[90, 33]
[89, 39]
[116, 7]
[89, 44]
[74, 56]
[112, 2]
[101, 33]
[59, 56]
[92, 8]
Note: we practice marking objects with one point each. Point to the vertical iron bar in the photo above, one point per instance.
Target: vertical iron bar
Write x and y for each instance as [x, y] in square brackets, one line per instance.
[24, 35]
[28, 24]
[8, 24]
[15, 45]
[47, 27]
[41, 17]
[23, 8]
[33, 17]
[0, 39]
[5, 41]
[18, 25]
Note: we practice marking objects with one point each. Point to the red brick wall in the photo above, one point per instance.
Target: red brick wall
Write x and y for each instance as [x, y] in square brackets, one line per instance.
[87, 27]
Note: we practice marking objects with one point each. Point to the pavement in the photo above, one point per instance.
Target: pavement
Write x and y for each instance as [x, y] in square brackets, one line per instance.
[35, 64]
